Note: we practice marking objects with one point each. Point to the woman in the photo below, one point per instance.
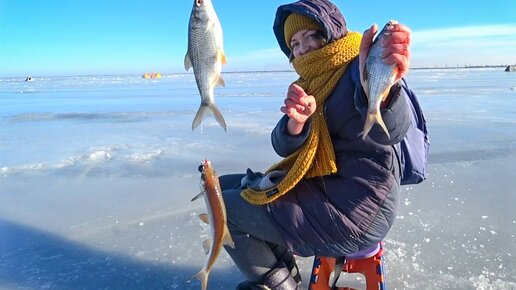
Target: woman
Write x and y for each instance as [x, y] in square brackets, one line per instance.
[335, 193]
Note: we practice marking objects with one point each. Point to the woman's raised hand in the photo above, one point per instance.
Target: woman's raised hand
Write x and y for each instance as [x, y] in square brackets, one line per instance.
[299, 106]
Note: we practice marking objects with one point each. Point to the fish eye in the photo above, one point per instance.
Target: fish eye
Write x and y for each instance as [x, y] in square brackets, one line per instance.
[200, 168]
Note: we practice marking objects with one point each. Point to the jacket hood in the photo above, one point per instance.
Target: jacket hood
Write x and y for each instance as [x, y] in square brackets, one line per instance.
[323, 11]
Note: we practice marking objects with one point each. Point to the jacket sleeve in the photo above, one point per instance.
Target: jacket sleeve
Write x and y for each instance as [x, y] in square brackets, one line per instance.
[285, 144]
[396, 116]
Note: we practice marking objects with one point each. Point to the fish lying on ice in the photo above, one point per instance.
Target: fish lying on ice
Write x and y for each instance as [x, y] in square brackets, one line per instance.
[379, 78]
[216, 218]
[206, 55]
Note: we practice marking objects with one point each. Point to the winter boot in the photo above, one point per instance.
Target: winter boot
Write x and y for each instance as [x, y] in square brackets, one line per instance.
[278, 278]
[286, 256]
[248, 285]
[290, 262]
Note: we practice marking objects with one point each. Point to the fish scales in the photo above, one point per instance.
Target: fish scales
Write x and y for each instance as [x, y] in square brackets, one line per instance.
[202, 49]
[216, 213]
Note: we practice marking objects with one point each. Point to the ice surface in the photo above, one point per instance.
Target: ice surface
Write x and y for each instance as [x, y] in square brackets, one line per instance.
[97, 173]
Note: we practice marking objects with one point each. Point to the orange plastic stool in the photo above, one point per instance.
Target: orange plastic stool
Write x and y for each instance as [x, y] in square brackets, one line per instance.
[370, 265]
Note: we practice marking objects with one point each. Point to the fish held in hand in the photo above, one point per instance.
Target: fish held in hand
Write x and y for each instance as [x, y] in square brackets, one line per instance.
[216, 218]
[378, 78]
[206, 55]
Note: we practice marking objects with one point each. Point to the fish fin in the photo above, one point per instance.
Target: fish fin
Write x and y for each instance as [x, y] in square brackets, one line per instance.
[385, 93]
[371, 119]
[210, 24]
[228, 240]
[395, 72]
[206, 246]
[188, 61]
[218, 116]
[368, 125]
[222, 56]
[203, 277]
[204, 218]
[198, 196]
[219, 81]
[201, 113]
[394, 75]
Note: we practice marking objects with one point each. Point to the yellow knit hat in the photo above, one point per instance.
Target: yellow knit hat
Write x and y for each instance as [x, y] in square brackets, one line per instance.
[296, 22]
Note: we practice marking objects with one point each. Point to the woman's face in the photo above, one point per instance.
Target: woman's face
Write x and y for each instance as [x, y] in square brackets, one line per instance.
[305, 41]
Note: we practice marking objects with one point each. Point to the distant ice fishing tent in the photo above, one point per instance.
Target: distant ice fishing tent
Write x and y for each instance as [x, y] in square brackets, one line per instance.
[510, 68]
[152, 75]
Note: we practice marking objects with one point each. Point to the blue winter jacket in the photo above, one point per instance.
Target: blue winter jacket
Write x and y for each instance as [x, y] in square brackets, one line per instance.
[353, 209]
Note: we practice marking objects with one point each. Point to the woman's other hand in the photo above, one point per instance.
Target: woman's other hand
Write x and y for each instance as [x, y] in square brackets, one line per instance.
[299, 106]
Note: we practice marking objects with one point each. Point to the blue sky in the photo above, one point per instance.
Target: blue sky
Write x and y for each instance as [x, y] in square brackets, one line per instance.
[63, 37]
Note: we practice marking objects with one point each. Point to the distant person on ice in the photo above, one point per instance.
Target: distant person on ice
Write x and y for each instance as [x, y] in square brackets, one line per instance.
[334, 193]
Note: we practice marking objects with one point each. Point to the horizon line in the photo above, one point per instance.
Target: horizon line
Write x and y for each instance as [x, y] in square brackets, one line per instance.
[260, 71]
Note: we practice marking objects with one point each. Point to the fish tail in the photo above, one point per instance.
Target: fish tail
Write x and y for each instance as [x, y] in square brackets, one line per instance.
[201, 113]
[204, 110]
[218, 116]
[203, 277]
[371, 119]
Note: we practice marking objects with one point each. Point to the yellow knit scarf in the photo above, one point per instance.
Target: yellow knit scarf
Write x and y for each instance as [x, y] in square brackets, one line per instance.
[319, 71]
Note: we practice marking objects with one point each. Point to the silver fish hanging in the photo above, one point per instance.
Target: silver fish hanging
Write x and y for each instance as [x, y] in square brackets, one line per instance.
[206, 55]
[379, 78]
